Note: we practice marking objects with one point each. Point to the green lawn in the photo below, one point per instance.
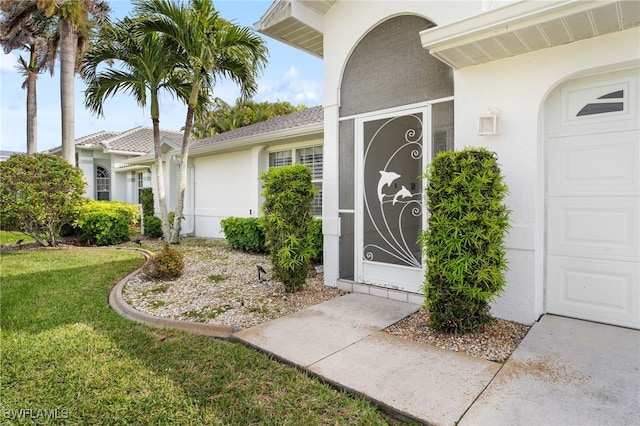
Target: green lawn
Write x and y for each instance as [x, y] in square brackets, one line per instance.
[7, 237]
[66, 354]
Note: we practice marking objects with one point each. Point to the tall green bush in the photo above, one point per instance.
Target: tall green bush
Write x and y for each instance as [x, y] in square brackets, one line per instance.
[288, 193]
[464, 242]
[39, 193]
[147, 202]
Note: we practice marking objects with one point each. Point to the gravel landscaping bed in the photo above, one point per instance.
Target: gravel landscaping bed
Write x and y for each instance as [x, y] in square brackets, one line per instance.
[220, 285]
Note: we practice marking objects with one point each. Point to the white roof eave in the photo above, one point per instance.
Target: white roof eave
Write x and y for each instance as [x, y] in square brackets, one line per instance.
[302, 132]
[442, 40]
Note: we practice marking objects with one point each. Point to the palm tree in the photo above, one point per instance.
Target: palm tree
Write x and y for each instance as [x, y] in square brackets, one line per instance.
[35, 34]
[76, 18]
[211, 47]
[147, 65]
[224, 117]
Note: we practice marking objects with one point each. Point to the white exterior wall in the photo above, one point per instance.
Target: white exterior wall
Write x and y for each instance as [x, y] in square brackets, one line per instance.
[518, 87]
[226, 185]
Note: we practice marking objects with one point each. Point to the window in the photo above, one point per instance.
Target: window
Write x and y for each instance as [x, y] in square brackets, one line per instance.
[279, 159]
[311, 157]
[611, 102]
[140, 181]
[103, 184]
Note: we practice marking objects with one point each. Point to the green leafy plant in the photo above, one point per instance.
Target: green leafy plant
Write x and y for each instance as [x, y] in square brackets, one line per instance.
[168, 264]
[318, 240]
[147, 202]
[153, 226]
[105, 222]
[464, 242]
[288, 193]
[39, 193]
[245, 233]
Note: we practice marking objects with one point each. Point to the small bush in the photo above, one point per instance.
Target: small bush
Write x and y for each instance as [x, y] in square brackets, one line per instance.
[152, 226]
[464, 240]
[147, 202]
[245, 233]
[288, 193]
[168, 264]
[106, 222]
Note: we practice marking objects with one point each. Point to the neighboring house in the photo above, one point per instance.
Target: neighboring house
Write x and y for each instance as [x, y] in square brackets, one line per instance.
[551, 87]
[102, 156]
[4, 155]
[223, 176]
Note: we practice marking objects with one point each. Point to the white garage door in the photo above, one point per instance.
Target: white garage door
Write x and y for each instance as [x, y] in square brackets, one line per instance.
[593, 200]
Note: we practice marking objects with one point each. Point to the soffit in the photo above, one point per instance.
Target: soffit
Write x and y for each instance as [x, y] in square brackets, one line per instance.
[525, 27]
[297, 23]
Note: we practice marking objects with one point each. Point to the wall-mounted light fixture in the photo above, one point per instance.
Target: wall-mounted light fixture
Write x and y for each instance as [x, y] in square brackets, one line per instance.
[488, 124]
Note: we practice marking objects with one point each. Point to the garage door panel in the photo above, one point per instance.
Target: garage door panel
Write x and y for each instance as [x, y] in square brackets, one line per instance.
[597, 227]
[593, 199]
[596, 290]
[594, 164]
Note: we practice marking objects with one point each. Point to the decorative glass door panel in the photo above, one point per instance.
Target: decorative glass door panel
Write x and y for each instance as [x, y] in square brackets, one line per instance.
[392, 201]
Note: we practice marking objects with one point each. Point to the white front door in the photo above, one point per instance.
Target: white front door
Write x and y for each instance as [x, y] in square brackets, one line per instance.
[593, 200]
[390, 217]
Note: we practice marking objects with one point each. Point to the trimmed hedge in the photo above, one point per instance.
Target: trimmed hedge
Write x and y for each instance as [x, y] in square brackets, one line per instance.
[288, 193]
[247, 234]
[106, 222]
[464, 241]
[153, 227]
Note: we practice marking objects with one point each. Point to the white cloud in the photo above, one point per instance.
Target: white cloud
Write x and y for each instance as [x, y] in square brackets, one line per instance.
[291, 87]
[8, 62]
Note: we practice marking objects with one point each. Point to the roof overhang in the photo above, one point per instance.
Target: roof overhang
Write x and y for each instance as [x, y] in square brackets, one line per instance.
[292, 135]
[527, 26]
[298, 23]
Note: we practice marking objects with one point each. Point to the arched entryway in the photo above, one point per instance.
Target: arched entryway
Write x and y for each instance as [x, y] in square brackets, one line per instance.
[396, 111]
[592, 144]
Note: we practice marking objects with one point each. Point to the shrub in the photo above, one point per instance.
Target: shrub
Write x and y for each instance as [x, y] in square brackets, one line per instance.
[318, 240]
[147, 202]
[168, 264]
[464, 240]
[288, 193]
[39, 193]
[245, 233]
[153, 226]
[106, 222]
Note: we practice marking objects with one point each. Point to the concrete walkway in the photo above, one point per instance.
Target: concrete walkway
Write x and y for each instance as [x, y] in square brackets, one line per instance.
[565, 371]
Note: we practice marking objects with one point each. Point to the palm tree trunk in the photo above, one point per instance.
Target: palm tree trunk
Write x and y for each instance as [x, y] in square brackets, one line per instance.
[162, 199]
[68, 40]
[186, 142]
[32, 113]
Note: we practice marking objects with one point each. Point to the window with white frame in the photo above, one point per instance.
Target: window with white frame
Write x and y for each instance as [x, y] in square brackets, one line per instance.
[312, 157]
[140, 180]
[103, 184]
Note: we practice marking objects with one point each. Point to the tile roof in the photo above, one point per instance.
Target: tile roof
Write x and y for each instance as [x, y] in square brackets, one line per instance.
[302, 118]
[138, 139]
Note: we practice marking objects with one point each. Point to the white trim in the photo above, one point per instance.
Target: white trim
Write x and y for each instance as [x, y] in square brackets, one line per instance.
[392, 111]
[502, 20]
[359, 263]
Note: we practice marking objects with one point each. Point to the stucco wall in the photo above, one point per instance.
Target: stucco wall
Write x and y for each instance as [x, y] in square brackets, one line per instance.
[518, 87]
[225, 186]
[529, 79]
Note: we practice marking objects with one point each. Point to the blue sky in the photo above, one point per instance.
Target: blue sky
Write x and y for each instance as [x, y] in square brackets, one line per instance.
[291, 75]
